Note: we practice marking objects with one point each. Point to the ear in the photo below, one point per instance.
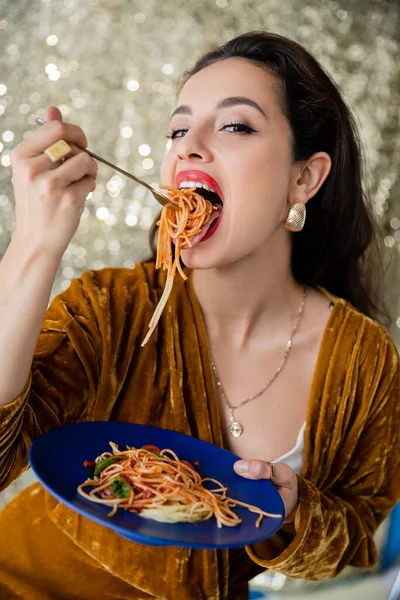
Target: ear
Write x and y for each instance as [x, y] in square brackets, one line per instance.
[308, 176]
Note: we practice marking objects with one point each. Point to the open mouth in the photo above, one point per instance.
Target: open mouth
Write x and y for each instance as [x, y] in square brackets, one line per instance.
[208, 193]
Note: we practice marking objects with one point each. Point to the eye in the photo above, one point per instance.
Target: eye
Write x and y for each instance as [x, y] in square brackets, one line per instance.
[238, 128]
[177, 133]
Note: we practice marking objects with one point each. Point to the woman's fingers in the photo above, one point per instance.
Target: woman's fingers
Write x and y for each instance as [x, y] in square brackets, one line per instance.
[73, 169]
[42, 163]
[50, 197]
[53, 114]
[47, 135]
[81, 188]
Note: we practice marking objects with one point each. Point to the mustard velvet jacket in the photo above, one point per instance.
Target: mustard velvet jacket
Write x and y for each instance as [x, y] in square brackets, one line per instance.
[89, 365]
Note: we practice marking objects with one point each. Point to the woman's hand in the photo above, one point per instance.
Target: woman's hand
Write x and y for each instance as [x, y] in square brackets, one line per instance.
[50, 197]
[279, 474]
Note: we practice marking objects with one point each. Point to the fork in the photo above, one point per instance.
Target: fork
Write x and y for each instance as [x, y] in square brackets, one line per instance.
[163, 200]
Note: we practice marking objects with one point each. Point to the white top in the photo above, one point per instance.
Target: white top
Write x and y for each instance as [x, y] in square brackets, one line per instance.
[294, 458]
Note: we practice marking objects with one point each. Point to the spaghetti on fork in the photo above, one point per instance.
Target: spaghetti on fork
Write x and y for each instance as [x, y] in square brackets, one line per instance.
[181, 223]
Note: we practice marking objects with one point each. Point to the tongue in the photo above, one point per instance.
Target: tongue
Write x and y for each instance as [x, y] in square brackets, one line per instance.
[213, 217]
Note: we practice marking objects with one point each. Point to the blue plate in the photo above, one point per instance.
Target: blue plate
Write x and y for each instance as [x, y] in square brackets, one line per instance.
[57, 459]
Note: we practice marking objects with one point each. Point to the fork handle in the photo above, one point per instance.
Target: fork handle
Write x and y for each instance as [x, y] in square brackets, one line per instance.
[110, 164]
[41, 121]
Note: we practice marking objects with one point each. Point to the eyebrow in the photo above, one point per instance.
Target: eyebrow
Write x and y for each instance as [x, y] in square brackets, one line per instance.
[184, 109]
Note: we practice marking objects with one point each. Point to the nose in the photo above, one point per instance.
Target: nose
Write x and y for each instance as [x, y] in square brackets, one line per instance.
[193, 148]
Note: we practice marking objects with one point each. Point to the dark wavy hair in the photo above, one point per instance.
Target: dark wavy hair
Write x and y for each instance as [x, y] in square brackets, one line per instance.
[338, 247]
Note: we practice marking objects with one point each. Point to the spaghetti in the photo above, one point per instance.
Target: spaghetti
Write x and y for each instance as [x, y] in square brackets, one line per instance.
[156, 484]
[181, 221]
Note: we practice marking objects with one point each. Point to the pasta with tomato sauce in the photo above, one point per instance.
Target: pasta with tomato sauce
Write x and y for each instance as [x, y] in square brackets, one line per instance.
[156, 484]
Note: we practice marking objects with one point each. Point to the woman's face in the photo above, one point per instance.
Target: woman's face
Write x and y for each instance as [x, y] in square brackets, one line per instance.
[229, 125]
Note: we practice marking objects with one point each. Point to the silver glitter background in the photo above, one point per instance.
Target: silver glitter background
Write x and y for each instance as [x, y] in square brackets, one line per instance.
[111, 67]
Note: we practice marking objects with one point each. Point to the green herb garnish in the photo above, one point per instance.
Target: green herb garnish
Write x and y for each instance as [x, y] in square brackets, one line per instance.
[120, 488]
[103, 463]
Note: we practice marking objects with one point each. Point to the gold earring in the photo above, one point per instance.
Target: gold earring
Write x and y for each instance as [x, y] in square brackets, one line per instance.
[296, 217]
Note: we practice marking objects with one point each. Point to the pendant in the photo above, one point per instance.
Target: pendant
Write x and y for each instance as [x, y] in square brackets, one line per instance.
[235, 428]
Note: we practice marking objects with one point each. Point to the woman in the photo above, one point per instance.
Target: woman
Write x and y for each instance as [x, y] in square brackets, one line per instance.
[271, 348]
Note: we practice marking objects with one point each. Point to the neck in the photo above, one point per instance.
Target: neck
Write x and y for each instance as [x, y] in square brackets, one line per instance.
[244, 301]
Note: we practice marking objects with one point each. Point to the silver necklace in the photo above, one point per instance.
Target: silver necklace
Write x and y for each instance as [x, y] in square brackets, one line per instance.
[235, 428]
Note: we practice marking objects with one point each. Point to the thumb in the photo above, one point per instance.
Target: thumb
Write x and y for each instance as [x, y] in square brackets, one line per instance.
[279, 473]
[53, 114]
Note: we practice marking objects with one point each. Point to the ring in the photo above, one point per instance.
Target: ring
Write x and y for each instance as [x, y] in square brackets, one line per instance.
[271, 466]
[58, 151]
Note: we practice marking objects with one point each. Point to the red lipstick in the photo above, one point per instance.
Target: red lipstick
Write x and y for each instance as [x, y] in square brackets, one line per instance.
[194, 175]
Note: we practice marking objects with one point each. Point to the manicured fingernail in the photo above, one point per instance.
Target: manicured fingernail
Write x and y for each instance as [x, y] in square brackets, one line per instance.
[242, 466]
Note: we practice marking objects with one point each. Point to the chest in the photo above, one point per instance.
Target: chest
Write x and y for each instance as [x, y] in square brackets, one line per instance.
[271, 421]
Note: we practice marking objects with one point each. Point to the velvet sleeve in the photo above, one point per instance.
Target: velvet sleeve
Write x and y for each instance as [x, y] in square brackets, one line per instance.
[336, 519]
[62, 384]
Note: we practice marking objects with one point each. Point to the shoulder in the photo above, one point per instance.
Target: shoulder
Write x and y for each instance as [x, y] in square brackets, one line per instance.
[357, 382]
[112, 277]
[107, 290]
[117, 282]
[363, 342]
[108, 303]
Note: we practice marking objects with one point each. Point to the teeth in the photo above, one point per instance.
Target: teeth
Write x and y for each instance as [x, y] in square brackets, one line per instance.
[197, 184]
